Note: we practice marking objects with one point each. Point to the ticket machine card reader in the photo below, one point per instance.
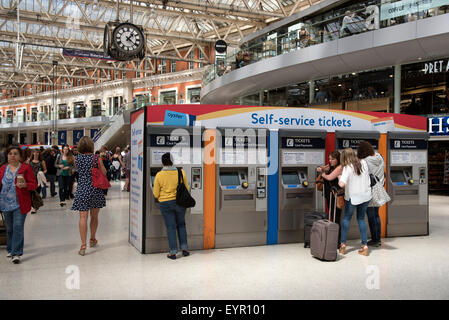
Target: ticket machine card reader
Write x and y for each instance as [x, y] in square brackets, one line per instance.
[261, 184]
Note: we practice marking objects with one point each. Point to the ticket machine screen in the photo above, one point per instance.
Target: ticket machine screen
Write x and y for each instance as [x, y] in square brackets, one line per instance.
[290, 178]
[397, 176]
[229, 179]
[154, 171]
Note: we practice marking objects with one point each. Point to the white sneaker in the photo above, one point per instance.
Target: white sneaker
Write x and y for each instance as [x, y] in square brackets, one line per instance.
[16, 259]
[9, 255]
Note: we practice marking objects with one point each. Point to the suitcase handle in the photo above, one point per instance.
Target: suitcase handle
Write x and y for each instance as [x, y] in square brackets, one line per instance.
[334, 192]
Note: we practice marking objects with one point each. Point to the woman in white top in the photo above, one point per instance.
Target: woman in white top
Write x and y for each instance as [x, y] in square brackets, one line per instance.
[355, 179]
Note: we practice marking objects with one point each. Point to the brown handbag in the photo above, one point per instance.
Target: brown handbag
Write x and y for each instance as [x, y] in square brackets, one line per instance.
[340, 193]
[319, 182]
[340, 202]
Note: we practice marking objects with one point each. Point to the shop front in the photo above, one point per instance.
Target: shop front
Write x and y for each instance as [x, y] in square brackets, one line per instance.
[438, 128]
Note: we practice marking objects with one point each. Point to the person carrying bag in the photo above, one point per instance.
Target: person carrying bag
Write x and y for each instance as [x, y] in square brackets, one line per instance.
[172, 192]
[376, 168]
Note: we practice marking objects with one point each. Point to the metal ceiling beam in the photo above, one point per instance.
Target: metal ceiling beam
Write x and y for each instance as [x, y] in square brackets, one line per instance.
[149, 56]
[201, 6]
[43, 74]
[61, 21]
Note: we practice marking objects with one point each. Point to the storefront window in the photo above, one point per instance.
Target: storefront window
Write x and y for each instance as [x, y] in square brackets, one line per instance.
[141, 101]
[251, 100]
[96, 107]
[33, 114]
[424, 88]
[9, 116]
[274, 97]
[298, 95]
[168, 97]
[62, 111]
[80, 110]
[193, 94]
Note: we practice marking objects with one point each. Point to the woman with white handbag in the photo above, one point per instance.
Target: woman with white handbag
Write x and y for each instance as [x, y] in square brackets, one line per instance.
[376, 168]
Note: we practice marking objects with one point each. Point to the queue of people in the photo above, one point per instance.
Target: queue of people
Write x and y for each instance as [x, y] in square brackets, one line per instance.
[27, 171]
[349, 172]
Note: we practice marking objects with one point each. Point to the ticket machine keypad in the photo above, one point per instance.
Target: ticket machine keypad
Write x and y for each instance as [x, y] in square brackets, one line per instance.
[261, 185]
[196, 178]
[422, 175]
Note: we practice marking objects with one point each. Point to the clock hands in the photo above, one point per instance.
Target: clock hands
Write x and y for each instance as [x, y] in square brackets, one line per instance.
[129, 39]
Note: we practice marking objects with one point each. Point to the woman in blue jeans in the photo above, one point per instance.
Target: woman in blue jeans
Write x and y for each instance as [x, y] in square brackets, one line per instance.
[17, 180]
[355, 179]
[376, 166]
[164, 190]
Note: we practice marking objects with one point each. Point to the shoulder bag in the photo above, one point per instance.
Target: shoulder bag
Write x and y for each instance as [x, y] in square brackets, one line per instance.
[36, 200]
[379, 195]
[340, 194]
[319, 182]
[183, 197]
[98, 179]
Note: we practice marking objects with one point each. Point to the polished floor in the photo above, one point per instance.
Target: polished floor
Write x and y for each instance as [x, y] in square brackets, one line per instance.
[403, 268]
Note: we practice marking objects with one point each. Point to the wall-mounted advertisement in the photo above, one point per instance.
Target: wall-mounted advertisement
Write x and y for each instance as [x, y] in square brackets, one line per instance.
[94, 134]
[77, 135]
[62, 137]
[137, 182]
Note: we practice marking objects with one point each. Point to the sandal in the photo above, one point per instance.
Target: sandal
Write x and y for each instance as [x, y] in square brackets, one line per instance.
[363, 250]
[342, 248]
[93, 243]
[82, 251]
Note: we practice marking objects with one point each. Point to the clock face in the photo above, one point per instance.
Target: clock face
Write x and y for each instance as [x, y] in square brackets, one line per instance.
[128, 38]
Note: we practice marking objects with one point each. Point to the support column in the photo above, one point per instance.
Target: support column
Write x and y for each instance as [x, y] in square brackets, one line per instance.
[311, 91]
[397, 89]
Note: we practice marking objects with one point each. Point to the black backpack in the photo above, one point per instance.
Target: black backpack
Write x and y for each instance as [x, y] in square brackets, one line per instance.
[183, 197]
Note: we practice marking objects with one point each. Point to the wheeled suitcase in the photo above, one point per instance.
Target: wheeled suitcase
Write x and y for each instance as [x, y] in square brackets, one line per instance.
[2, 230]
[324, 238]
[309, 219]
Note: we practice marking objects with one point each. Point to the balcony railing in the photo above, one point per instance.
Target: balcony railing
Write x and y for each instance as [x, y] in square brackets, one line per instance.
[332, 26]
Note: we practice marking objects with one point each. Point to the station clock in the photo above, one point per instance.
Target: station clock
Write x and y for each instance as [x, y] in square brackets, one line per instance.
[124, 41]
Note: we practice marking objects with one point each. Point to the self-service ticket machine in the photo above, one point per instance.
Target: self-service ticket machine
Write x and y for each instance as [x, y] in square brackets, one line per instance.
[300, 153]
[351, 139]
[408, 210]
[241, 187]
[185, 145]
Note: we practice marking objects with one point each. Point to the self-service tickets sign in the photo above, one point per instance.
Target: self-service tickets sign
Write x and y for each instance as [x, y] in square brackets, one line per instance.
[212, 116]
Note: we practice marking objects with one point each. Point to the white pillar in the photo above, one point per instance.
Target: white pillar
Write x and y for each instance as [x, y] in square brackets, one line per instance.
[311, 91]
[397, 89]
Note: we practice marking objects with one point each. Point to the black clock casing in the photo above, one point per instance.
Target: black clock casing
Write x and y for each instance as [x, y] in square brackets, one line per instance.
[124, 41]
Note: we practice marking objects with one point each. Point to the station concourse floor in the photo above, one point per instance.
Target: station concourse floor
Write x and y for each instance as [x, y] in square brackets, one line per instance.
[403, 268]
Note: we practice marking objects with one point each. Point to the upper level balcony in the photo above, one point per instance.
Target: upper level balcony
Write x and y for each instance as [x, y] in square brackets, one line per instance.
[326, 48]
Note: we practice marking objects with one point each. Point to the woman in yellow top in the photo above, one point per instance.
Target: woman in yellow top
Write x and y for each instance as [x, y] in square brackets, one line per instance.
[164, 190]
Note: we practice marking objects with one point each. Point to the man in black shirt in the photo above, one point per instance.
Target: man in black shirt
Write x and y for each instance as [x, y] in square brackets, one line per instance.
[51, 169]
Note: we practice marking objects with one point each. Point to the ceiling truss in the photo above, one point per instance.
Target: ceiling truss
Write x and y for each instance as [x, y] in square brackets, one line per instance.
[173, 30]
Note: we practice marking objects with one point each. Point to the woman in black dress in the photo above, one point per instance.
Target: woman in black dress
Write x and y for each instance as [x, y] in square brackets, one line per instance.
[87, 198]
[330, 173]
